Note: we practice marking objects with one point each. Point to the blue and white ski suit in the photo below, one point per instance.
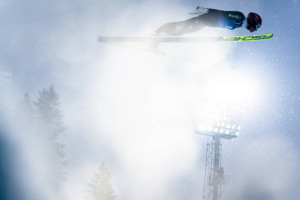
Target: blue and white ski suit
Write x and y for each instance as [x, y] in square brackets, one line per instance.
[213, 18]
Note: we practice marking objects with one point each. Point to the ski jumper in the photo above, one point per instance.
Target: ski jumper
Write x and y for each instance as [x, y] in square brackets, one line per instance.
[214, 18]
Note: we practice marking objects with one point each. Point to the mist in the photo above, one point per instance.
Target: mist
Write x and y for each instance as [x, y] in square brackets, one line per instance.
[135, 110]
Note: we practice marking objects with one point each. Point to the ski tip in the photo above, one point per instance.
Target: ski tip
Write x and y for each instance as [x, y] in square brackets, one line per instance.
[270, 35]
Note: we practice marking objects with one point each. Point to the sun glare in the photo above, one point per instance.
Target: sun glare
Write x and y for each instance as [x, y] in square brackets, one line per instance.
[224, 98]
[232, 88]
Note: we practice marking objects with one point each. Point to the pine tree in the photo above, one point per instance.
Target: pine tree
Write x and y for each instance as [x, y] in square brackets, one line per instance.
[26, 109]
[100, 186]
[50, 116]
[42, 118]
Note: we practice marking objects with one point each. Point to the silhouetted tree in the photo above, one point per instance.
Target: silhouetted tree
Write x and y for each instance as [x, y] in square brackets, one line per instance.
[44, 119]
[100, 186]
[49, 114]
[26, 109]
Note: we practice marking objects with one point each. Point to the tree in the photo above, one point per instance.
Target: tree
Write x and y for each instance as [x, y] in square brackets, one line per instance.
[100, 187]
[26, 109]
[47, 108]
[41, 121]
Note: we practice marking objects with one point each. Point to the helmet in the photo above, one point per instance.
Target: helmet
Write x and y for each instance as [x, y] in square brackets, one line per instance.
[254, 21]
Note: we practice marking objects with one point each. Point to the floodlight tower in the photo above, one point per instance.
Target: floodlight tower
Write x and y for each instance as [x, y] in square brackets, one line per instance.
[217, 127]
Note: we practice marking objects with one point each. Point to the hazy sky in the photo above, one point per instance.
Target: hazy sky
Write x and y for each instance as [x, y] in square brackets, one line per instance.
[134, 109]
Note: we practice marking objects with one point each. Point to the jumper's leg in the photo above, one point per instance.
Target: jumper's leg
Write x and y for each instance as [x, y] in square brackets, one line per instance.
[183, 27]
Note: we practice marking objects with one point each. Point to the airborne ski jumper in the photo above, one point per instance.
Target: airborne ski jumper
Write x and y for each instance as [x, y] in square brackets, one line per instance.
[208, 17]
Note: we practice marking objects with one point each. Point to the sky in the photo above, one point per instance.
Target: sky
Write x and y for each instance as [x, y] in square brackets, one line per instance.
[135, 110]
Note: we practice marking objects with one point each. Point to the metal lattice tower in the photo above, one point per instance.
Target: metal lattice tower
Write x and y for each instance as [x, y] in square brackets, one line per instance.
[225, 127]
[214, 172]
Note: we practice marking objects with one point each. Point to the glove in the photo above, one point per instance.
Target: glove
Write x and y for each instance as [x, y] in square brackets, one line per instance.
[199, 11]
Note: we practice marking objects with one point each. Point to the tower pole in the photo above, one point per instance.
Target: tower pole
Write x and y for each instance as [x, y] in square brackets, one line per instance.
[227, 127]
[216, 168]
[214, 173]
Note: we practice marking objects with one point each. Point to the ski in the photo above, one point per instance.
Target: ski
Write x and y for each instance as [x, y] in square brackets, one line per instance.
[155, 40]
[247, 38]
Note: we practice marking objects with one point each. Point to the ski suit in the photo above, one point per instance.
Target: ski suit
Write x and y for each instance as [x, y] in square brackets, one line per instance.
[214, 18]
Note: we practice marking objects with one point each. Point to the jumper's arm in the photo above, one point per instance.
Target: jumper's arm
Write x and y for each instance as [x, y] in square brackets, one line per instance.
[199, 11]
